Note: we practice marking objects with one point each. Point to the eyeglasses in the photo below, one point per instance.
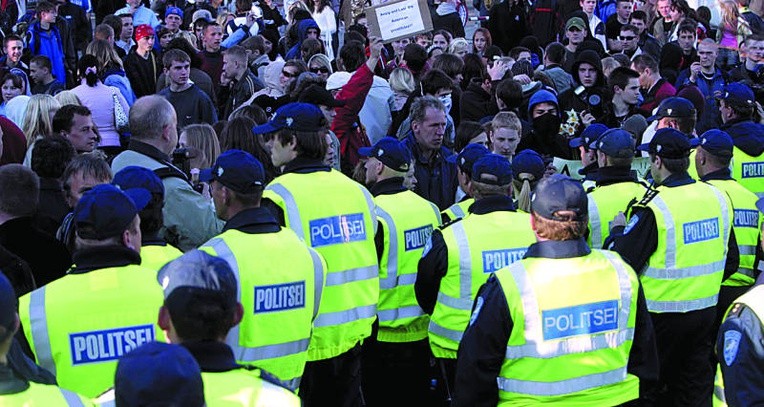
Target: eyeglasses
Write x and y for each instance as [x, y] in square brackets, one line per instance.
[321, 69]
[290, 74]
[626, 37]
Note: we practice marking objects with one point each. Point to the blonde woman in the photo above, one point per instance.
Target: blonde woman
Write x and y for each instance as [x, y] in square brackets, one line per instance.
[67, 97]
[38, 121]
[202, 142]
[732, 32]
[403, 84]
[459, 47]
[110, 68]
[320, 65]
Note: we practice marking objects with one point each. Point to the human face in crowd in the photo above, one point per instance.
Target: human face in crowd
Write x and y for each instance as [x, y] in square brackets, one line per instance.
[440, 41]
[320, 70]
[173, 22]
[423, 41]
[675, 13]
[587, 74]
[629, 40]
[14, 50]
[281, 154]
[399, 46]
[754, 51]
[664, 9]
[542, 109]
[640, 24]
[624, 10]
[212, 37]
[145, 43]
[481, 139]
[37, 73]
[267, 45]
[645, 81]
[706, 55]
[288, 74]
[218, 200]
[575, 35]
[48, 17]
[630, 95]
[329, 113]
[78, 184]
[588, 6]
[686, 41]
[524, 56]
[504, 141]
[479, 41]
[429, 132]
[311, 33]
[372, 167]
[364, 22]
[133, 3]
[726, 111]
[9, 91]
[127, 29]
[330, 158]
[409, 180]
[179, 72]
[231, 67]
[165, 39]
[82, 134]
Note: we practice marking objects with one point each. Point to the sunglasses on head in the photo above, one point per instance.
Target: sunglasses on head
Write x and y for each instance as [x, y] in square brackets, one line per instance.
[321, 69]
[289, 74]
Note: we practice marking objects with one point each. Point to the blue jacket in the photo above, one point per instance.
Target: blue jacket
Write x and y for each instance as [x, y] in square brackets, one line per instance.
[302, 32]
[48, 43]
[118, 79]
[436, 178]
[710, 119]
[747, 136]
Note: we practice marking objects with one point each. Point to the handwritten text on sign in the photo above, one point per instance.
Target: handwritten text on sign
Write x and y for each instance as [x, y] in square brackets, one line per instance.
[398, 19]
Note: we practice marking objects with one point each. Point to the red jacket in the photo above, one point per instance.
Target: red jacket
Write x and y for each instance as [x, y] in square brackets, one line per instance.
[346, 125]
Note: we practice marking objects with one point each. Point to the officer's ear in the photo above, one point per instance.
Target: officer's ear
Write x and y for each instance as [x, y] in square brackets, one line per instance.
[163, 320]
[238, 314]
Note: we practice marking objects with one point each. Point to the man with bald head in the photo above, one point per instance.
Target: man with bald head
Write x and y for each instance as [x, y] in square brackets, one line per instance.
[189, 219]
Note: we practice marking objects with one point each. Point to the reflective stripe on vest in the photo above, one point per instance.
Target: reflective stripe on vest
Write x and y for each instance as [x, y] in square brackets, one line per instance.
[595, 232]
[72, 399]
[247, 354]
[671, 272]
[562, 387]
[292, 212]
[536, 347]
[39, 320]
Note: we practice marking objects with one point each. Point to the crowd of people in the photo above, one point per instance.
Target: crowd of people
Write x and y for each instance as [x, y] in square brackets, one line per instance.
[250, 203]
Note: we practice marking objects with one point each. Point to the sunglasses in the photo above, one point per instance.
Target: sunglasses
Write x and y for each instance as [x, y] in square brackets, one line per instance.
[289, 74]
[626, 37]
[322, 69]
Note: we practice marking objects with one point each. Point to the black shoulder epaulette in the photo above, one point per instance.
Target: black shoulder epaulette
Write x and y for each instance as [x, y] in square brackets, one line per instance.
[449, 223]
[591, 188]
[649, 195]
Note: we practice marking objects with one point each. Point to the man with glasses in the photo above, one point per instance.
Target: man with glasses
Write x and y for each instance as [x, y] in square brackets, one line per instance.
[615, 23]
[629, 39]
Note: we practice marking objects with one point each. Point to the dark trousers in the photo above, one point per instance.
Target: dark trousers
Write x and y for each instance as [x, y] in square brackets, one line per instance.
[396, 374]
[333, 382]
[685, 346]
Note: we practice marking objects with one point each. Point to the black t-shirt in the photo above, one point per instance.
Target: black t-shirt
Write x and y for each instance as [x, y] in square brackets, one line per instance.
[613, 27]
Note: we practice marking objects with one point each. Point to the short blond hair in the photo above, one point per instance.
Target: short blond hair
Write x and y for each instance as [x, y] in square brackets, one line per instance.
[506, 120]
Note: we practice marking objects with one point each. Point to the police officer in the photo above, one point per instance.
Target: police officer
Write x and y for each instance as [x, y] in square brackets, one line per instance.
[155, 251]
[200, 307]
[737, 106]
[335, 216]
[712, 160]
[739, 346]
[460, 255]
[590, 167]
[79, 325]
[616, 186]
[14, 389]
[398, 355]
[679, 237]
[464, 162]
[565, 324]
[280, 279]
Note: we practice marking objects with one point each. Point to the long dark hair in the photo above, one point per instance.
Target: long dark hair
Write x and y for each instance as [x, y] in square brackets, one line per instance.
[88, 69]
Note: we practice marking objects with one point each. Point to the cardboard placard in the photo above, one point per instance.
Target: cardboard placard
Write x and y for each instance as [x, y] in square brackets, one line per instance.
[570, 167]
[398, 19]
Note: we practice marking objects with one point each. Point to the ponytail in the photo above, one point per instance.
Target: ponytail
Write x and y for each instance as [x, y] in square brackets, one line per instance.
[524, 196]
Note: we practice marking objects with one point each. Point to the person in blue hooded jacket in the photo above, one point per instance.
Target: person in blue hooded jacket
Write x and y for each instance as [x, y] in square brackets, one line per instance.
[307, 28]
[44, 38]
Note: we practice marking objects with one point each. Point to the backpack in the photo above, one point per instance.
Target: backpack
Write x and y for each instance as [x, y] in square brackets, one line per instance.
[545, 21]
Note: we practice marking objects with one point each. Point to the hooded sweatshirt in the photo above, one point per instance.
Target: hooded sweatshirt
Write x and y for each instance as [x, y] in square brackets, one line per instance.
[578, 99]
[302, 33]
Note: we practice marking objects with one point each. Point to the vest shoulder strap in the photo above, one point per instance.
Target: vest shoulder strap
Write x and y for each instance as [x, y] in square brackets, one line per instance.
[649, 195]
[449, 223]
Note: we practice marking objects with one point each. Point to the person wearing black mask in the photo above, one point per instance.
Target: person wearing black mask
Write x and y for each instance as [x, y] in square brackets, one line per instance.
[545, 138]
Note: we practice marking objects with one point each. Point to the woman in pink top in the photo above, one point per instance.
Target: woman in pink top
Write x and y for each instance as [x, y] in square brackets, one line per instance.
[99, 98]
